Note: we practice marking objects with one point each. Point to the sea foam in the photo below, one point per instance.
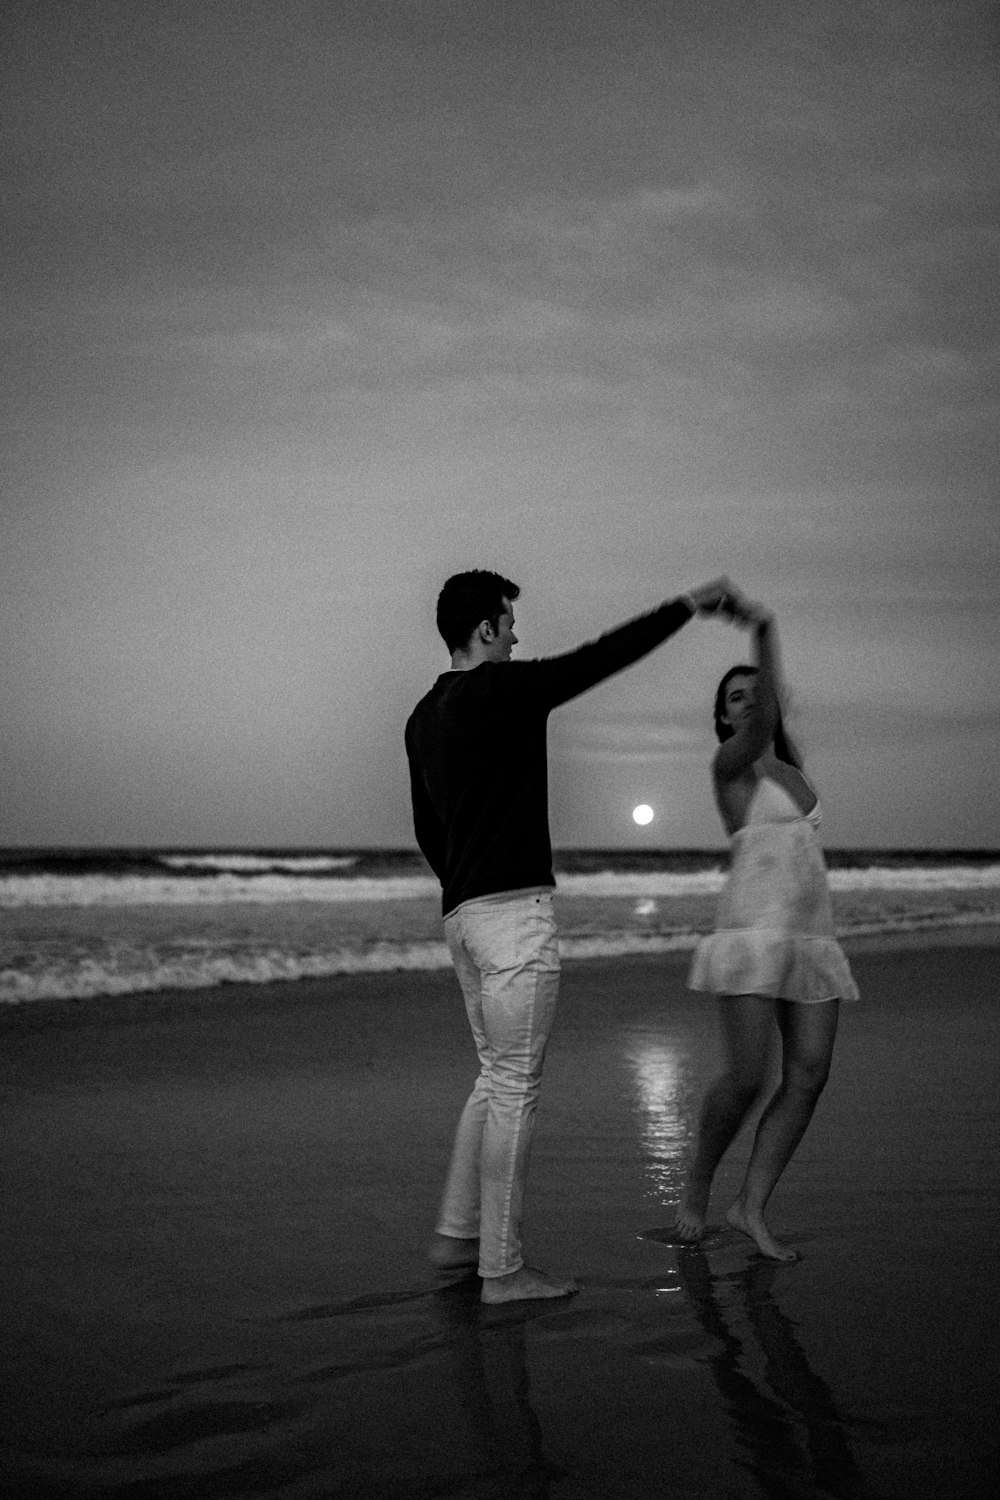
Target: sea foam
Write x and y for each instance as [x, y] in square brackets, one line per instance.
[227, 887]
[132, 971]
[251, 864]
[210, 890]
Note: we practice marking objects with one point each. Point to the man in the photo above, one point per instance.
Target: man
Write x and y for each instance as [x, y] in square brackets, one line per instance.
[479, 778]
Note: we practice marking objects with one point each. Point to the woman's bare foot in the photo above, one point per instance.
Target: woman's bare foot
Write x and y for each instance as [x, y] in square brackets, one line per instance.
[689, 1226]
[752, 1224]
[526, 1283]
[449, 1254]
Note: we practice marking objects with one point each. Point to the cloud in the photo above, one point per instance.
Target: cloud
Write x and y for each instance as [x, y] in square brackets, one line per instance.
[629, 738]
[845, 724]
[305, 308]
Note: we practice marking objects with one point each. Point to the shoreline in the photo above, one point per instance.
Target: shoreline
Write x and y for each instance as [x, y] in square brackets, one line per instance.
[104, 947]
[209, 1000]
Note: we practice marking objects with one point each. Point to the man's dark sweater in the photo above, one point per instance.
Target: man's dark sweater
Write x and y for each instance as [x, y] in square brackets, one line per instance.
[478, 764]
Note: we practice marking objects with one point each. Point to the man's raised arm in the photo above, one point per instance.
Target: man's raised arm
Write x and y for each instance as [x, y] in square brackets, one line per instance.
[561, 678]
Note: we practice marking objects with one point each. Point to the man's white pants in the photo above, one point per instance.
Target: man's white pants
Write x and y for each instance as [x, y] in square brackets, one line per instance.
[506, 957]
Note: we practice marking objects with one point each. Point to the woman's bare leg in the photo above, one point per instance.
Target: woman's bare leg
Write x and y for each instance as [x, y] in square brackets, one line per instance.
[746, 1022]
[807, 1035]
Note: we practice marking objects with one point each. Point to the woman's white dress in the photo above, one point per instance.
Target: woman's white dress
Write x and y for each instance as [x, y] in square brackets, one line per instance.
[774, 926]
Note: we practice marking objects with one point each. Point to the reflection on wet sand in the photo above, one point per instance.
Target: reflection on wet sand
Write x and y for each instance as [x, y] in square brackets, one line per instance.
[787, 1430]
[456, 1372]
[660, 1075]
[487, 1354]
[787, 1427]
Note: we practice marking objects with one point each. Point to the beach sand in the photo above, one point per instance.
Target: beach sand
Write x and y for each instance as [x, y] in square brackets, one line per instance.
[217, 1207]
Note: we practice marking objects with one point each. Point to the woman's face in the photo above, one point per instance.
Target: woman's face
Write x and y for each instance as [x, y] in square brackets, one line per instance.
[740, 698]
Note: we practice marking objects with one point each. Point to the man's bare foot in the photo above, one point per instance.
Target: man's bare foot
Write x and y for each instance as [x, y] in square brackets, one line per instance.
[449, 1254]
[689, 1226]
[526, 1283]
[752, 1224]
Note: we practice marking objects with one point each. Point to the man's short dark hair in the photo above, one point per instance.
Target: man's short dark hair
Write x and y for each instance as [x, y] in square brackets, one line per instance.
[469, 598]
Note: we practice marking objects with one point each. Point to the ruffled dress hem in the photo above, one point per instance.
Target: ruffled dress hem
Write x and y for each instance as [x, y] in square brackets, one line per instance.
[783, 965]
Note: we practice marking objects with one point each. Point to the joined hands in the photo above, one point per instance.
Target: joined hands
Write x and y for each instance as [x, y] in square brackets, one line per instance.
[721, 597]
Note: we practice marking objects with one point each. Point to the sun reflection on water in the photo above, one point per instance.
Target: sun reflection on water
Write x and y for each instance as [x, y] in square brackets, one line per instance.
[660, 1077]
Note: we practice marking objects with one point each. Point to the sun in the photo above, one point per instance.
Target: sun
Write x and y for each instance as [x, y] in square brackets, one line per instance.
[643, 814]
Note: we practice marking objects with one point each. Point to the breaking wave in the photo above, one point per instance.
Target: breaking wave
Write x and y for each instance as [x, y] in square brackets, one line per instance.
[228, 887]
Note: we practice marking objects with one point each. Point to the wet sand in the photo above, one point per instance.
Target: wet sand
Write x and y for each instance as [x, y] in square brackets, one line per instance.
[217, 1206]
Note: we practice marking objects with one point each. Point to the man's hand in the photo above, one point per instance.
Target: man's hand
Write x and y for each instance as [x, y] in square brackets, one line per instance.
[721, 596]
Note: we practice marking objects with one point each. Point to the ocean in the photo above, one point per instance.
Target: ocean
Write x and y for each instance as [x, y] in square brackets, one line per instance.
[81, 923]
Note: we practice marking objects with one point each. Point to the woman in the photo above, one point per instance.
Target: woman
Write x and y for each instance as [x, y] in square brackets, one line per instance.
[772, 956]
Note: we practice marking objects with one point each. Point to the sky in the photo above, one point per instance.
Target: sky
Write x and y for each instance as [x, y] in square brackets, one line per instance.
[310, 305]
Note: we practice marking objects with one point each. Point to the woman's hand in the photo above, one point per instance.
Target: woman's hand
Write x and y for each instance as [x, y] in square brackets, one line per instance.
[753, 616]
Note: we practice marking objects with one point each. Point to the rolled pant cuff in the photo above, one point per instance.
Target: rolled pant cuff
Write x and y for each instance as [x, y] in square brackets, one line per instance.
[497, 1275]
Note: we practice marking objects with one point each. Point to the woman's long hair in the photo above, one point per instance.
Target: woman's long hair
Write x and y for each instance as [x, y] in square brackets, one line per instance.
[783, 747]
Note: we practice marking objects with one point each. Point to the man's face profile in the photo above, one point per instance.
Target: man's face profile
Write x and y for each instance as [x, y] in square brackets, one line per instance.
[504, 640]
